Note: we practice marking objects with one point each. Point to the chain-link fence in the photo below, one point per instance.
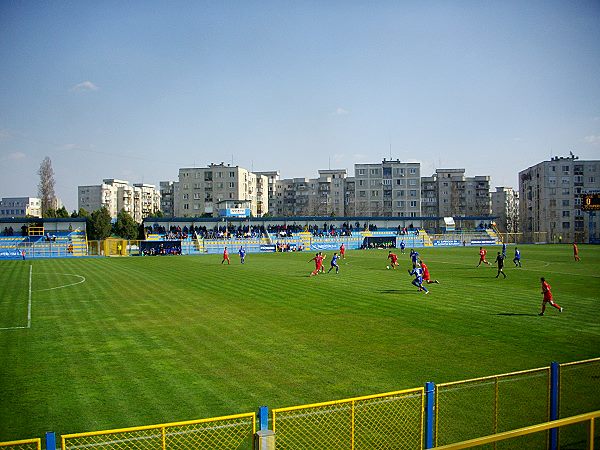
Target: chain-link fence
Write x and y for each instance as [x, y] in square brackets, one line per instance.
[390, 420]
[25, 444]
[229, 433]
[579, 392]
[479, 407]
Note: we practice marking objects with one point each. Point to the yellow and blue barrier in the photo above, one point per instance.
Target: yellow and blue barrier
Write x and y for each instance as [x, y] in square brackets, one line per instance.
[548, 407]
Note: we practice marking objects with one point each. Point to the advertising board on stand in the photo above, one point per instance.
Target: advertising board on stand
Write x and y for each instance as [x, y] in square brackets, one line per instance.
[447, 242]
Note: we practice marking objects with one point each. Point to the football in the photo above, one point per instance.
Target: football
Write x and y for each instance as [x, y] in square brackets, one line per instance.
[387, 267]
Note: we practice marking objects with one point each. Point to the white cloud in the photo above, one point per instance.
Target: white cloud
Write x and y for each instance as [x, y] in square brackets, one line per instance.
[593, 139]
[15, 156]
[85, 86]
[5, 134]
[341, 112]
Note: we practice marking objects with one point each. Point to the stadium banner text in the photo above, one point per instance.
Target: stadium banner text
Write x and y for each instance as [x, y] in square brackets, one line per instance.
[267, 248]
[483, 241]
[446, 242]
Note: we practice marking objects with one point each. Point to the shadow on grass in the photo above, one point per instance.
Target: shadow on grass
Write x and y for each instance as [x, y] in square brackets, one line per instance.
[398, 291]
[516, 314]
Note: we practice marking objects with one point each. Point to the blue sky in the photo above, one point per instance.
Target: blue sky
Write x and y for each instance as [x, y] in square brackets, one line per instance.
[135, 90]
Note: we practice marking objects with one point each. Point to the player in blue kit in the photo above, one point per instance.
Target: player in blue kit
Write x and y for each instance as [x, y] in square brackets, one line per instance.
[414, 256]
[504, 250]
[402, 246]
[334, 259]
[418, 281]
[517, 258]
[242, 253]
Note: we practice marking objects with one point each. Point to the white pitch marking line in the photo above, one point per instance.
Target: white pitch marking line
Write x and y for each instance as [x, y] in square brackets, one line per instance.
[29, 301]
[82, 280]
[28, 307]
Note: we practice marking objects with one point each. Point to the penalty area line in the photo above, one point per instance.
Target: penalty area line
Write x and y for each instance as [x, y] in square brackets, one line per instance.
[29, 300]
[28, 306]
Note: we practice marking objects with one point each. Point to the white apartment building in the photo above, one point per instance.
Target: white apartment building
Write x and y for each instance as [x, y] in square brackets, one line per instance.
[449, 193]
[201, 189]
[550, 199]
[20, 207]
[323, 196]
[139, 200]
[505, 207]
[275, 204]
[390, 188]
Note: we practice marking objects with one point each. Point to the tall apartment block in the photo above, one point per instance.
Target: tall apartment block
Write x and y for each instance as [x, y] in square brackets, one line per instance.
[550, 199]
[449, 193]
[389, 188]
[20, 207]
[505, 206]
[323, 196]
[167, 194]
[139, 200]
[201, 189]
[274, 196]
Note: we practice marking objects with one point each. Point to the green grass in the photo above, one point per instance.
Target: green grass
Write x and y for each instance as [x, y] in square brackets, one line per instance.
[161, 339]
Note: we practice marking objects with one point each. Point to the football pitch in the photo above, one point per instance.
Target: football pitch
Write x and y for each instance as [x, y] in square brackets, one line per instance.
[102, 343]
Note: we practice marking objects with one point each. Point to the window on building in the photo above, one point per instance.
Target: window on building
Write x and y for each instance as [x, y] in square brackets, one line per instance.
[565, 169]
[591, 180]
[361, 171]
[412, 193]
[413, 204]
[566, 225]
[362, 194]
[412, 182]
[566, 191]
[231, 174]
[232, 184]
[186, 196]
[186, 206]
[565, 202]
[412, 171]
[374, 193]
[566, 213]
[374, 171]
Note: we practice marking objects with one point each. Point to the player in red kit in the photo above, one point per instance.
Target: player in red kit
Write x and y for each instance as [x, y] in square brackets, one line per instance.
[394, 260]
[547, 297]
[426, 275]
[318, 259]
[575, 252]
[226, 256]
[343, 251]
[482, 253]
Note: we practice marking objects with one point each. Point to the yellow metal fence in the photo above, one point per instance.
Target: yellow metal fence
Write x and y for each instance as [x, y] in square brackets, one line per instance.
[230, 432]
[587, 422]
[25, 444]
[579, 393]
[478, 407]
[390, 420]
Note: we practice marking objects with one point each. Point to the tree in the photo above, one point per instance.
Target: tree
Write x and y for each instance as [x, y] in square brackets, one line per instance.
[125, 226]
[46, 186]
[98, 224]
[62, 212]
[81, 213]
